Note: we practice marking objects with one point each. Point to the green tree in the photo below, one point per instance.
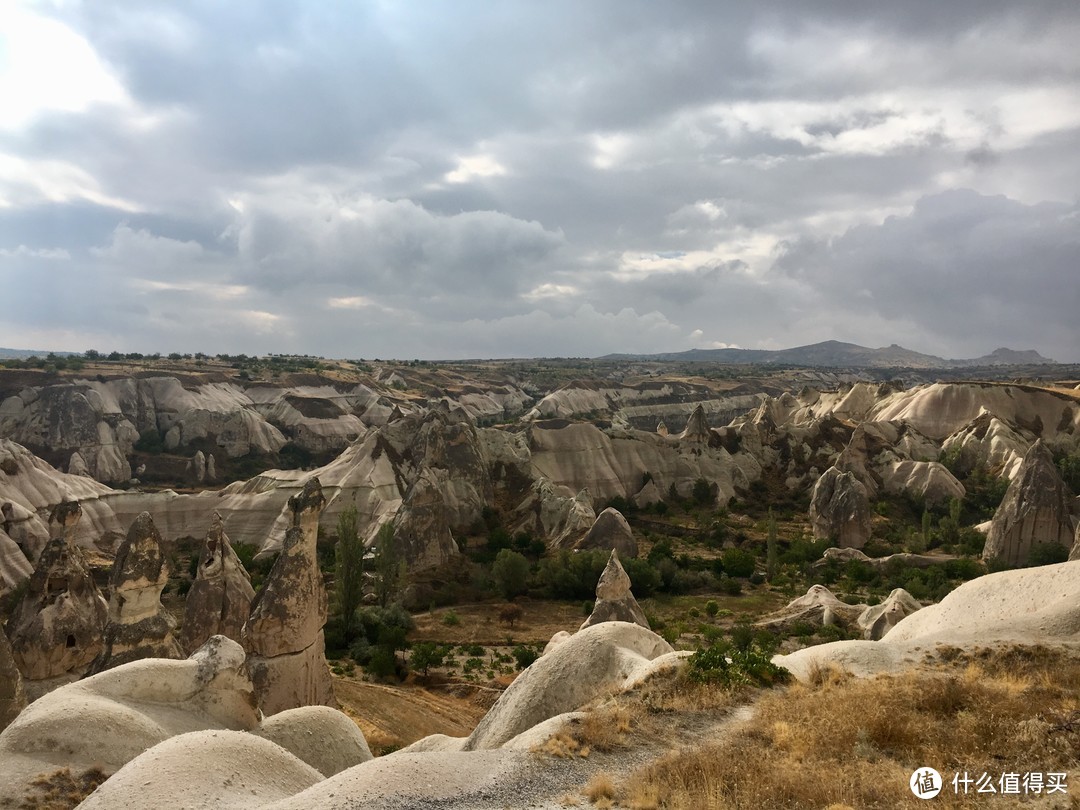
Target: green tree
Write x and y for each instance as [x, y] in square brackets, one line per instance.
[771, 561]
[510, 572]
[425, 655]
[389, 567]
[349, 569]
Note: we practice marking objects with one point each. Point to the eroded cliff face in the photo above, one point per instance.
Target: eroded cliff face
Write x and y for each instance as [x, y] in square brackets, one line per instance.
[431, 470]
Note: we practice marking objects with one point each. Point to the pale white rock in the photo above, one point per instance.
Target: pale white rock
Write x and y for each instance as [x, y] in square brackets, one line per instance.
[818, 607]
[610, 531]
[877, 620]
[593, 660]
[12, 694]
[1035, 511]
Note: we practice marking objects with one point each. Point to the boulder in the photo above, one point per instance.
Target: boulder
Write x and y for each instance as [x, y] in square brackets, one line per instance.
[818, 607]
[1036, 511]
[138, 625]
[840, 509]
[324, 738]
[12, 695]
[57, 628]
[614, 601]
[198, 466]
[284, 633]
[219, 601]
[610, 531]
[877, 620]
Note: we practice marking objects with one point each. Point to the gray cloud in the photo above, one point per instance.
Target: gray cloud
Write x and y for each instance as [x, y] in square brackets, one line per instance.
[561, 178]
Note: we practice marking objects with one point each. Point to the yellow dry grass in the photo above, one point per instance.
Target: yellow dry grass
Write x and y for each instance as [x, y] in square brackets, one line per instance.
[852, 742]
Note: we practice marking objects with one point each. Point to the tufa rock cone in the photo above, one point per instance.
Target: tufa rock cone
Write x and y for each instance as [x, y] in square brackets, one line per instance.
[284, 633]
[138, 626]
[56, 630]
[219, 601]
[614, 601]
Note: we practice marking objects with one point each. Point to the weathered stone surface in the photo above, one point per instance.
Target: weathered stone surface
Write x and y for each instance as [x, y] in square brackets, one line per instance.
[877, 620]
[106, 720]
[198, 466]
[697, 428]
[12, 696]
[219, 601]
[290, 680]
[283, 634]
[554, 514]
[56, 630]
[138, 625]
[817, 607]
[14, 567]
[840, 509]
[614, 600]
[610, 532]
[1035, 511]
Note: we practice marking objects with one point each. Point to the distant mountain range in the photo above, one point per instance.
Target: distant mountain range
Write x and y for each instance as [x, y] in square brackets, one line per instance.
[834, 354]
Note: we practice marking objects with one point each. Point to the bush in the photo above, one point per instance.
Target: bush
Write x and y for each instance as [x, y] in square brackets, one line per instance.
[1047, 554]
[712, 607]
[451, 619]
[524, 656]
[729, 586]
[644, 579]
[511, 573]
[731, 667]
[738, 563]
[150, 441]
[426, 655]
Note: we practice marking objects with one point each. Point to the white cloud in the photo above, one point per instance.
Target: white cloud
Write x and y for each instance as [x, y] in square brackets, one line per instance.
[44, 65]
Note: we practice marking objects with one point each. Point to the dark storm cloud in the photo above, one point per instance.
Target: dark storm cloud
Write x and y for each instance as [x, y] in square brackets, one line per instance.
[469, 178]
[961, 265]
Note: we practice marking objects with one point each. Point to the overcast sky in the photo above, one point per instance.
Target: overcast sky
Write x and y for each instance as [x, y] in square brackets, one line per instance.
[463, 179]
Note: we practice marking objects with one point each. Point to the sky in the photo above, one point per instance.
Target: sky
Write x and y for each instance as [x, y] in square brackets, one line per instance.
[454, 179]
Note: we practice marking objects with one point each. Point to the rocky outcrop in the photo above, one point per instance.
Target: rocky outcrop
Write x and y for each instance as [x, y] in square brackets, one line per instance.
[554, 514]
[840, 509]
[610, 531]
[818, 607]
[614, 600]
[12, 695]
[697, 428]
[219, 601]
[1034, 512]
[422, 525]
[138, 625]
[284, 633]
[877, 620]
[57, 628]
[14, 567]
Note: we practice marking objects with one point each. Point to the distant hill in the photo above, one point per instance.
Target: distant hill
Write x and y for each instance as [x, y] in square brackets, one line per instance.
[835, 354]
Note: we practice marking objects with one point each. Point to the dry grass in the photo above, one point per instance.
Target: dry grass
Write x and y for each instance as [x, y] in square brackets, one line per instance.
[600, 791]
[61, 789]
[855, 742]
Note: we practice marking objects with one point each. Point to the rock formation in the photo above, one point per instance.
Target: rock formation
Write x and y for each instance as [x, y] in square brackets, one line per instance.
[697, 428]
[14, 567]
[12, 695]
[211, 469]
[877, 620]
[610, 531]
[284, 633]
[138, 625]
[614, 600]
[219, 601]
[198, 466]
[56, 630]
[818, 607]
[840, 509]
[1034, 512]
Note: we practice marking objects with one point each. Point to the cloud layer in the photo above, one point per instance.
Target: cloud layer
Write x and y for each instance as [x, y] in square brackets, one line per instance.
[463, 180]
